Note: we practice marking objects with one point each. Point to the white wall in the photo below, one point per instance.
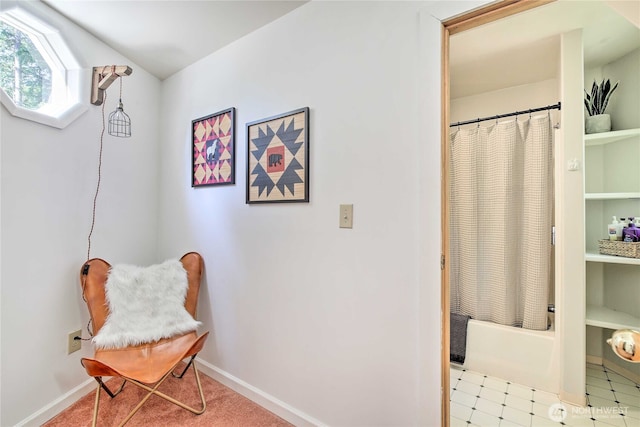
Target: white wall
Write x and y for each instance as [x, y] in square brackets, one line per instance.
[325, 319]
[515, 98]
[48, 182]
[570, 241]
[625, 101]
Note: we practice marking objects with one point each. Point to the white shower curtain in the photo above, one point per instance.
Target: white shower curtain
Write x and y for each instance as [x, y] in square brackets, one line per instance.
[500, 222]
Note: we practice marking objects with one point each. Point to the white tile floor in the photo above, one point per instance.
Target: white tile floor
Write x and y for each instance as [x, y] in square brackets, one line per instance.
[481, 400]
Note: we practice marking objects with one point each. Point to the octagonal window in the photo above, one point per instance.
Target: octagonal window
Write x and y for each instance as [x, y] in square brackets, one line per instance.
[39, 77]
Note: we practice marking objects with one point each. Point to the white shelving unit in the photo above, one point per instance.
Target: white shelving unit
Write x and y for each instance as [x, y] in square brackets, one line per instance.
[604, 317]
[609, 282]
[610, 259]
[611, 196]
[609, 137]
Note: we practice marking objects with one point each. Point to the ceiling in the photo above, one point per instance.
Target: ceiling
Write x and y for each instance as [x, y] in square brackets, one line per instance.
[164, 37]
[525, 48]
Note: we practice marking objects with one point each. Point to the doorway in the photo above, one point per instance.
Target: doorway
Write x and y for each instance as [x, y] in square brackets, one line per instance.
[572, 378]
[452, 27]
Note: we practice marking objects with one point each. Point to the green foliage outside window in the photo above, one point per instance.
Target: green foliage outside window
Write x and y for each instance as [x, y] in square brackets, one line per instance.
[24, 74]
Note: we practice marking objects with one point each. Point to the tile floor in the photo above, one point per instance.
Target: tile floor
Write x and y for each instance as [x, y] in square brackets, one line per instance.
[481, 400]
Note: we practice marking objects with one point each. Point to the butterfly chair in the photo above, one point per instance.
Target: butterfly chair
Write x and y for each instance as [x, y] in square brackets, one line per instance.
[148, 363]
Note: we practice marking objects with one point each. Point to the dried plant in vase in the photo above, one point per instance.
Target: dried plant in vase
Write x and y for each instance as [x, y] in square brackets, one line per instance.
[596, 102]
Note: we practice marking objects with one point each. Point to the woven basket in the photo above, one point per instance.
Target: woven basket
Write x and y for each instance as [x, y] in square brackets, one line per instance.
[624, 249]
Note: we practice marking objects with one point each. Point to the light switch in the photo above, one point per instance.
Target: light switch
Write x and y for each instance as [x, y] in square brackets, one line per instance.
[346, 216]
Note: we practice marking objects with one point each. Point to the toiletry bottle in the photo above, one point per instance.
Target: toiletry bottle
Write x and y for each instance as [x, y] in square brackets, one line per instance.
[634, 231]
[619, 227]
[631, 233]
[613, 229]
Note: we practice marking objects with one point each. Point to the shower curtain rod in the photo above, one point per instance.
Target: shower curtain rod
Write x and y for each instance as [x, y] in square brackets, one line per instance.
[500, 116]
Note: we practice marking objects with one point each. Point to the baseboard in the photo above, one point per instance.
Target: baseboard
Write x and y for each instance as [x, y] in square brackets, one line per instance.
[594, 360]
[573, 399]
[60, 404]
[278, 407]
[612, 366]
[621, 371]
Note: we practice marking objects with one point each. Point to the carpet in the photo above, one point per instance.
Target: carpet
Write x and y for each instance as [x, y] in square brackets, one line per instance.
[225, 407]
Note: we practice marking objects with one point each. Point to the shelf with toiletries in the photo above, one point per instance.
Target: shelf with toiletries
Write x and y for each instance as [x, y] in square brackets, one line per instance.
[600, 213]
[612, 186]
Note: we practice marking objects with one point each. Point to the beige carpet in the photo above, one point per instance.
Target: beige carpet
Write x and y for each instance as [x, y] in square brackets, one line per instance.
[224, 407]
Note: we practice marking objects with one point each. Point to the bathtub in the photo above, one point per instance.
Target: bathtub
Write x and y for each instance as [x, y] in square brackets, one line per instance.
[518, 355]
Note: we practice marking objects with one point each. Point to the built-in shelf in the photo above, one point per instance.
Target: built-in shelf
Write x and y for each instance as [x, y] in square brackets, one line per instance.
[604, 317]
[611, 196]
[609, 137]
[598, 315]
[610, 259]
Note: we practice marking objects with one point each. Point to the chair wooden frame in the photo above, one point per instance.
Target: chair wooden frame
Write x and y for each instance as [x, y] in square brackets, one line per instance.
[146, 365]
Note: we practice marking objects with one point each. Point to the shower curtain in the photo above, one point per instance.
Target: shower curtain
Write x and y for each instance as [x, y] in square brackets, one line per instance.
[501, 205]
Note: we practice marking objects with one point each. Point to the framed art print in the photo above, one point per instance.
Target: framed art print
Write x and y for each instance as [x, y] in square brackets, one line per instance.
[213, 149]
[278, 158]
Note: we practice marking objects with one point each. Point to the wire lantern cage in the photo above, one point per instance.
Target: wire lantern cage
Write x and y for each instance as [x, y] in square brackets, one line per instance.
[119, 121]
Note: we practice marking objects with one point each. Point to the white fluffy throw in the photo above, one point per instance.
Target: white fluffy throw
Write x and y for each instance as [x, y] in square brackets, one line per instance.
[146, 304]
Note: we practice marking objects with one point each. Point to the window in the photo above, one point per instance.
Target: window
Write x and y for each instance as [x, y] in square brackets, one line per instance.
[39, 77]
[24, 75]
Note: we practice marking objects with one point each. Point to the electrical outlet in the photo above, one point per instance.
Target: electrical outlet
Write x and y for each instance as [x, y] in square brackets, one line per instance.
[74, 345]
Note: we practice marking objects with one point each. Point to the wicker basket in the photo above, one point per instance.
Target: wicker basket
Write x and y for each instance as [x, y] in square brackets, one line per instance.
[624, 249]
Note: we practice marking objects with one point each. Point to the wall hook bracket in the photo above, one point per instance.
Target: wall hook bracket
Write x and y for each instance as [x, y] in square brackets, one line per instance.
[102, 79]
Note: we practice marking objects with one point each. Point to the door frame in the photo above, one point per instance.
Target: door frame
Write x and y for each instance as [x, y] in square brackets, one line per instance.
[472, 19]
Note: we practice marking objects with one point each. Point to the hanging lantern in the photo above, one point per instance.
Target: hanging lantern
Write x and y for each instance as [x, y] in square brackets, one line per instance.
[119, 121]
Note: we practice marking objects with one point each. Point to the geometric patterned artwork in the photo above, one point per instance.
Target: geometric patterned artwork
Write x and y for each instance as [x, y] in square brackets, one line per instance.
[278, 158]
[213, 149]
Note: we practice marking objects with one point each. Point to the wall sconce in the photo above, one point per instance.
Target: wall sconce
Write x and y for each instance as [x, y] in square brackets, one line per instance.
[119, 121]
